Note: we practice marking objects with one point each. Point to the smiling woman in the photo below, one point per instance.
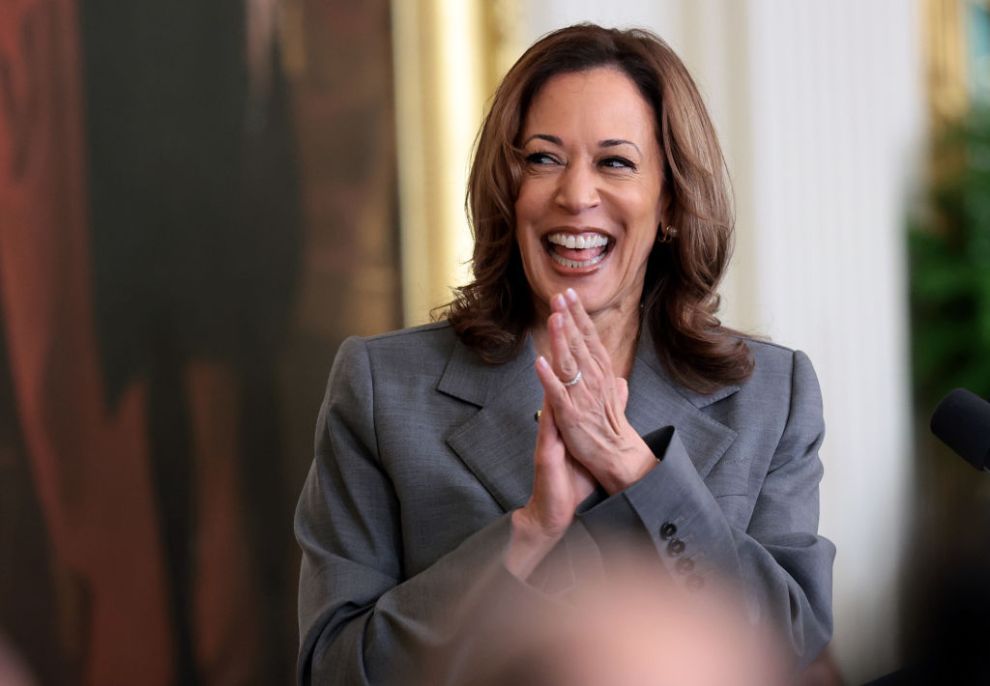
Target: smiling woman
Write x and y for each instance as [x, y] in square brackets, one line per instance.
[603, 224]
[590, 200]
[614, 116]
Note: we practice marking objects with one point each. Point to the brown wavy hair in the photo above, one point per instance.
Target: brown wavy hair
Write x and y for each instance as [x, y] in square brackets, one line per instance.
[492, 314]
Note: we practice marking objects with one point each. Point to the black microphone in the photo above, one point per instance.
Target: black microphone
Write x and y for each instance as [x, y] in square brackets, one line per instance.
[962, 422]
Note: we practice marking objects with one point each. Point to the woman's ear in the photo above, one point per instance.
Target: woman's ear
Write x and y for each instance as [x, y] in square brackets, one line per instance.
[666, 203]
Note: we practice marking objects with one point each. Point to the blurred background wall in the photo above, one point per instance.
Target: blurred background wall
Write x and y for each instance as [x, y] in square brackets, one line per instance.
[199, 201]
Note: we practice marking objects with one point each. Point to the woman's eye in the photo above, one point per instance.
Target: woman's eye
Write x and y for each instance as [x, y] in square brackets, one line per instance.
[540, 158]
[617, 163]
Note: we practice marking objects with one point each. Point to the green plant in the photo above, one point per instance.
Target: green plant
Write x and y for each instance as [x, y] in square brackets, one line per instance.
[949, 249]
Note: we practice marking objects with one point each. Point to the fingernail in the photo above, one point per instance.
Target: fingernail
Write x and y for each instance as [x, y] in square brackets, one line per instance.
[571, 295]
[559, 301]
[542, 362]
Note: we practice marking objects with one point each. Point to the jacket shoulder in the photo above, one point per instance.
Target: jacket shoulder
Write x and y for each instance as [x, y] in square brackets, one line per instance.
[423, 331]
[778, 369]
[769, 357]
[424, 348]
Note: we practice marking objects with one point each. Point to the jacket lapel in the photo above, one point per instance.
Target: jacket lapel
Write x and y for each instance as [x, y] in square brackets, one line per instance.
[655, 401]
[497, 442]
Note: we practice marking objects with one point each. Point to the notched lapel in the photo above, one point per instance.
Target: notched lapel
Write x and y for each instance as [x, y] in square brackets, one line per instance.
[655, 401]
[497, 442]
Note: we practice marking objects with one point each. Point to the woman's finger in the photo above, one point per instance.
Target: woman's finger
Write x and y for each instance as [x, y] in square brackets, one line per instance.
[547, 436]
[552, 502]
[554, 391]
[622, 392]
[587, 328]
[565, 363]
[575, 337]
[554, 464]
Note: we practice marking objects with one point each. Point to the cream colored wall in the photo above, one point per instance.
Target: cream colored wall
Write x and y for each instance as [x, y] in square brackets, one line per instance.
[442, 83]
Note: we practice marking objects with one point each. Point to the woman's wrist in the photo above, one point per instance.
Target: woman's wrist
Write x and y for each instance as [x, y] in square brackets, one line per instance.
[529, 544]
[635, 462]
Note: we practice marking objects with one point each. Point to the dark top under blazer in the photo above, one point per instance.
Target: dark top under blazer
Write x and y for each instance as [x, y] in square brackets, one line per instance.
[422, 450]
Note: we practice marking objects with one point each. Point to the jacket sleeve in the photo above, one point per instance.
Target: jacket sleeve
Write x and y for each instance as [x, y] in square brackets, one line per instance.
[782, 563]
[360, 620]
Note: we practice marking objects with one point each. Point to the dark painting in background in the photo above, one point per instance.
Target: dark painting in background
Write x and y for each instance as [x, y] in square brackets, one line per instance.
[203, 209]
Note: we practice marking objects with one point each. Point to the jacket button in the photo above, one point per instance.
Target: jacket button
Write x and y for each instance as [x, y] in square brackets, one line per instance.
[695, 582]
[667, 531]
[684, 565]
[675, 547]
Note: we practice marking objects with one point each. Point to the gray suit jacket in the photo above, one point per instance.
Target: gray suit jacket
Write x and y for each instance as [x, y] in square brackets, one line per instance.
[422, 450]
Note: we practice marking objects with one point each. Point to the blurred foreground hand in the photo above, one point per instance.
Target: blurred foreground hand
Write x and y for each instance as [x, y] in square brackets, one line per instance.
[637, 628]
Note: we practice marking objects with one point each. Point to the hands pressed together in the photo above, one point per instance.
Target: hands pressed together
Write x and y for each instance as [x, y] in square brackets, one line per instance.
[584, 437]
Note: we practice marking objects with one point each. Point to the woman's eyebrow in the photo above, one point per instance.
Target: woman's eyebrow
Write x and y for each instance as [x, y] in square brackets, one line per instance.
[612, 142]
[545, 137]
[607, 143]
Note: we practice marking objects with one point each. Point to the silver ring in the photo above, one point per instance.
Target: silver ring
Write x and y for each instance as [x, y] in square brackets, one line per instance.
[577, 377]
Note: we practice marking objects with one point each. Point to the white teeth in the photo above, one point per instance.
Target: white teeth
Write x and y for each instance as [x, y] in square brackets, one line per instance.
[582, 242]
[573, 264]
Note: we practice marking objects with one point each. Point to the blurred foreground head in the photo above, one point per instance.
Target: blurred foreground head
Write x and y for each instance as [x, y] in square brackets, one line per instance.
[635, 629]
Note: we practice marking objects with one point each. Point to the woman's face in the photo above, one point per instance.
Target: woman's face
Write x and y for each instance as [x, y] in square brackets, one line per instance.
[589, 201]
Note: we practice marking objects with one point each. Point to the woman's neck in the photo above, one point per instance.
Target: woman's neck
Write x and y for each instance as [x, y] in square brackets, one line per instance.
[618, 332]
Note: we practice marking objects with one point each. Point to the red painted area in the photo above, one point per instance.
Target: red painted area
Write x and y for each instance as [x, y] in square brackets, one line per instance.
[89, 460]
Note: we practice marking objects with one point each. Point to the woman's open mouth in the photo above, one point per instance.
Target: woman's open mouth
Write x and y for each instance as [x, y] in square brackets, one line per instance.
[577, 251]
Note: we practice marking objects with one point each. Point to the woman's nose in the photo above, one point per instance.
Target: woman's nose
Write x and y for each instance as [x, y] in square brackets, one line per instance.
[578, 189]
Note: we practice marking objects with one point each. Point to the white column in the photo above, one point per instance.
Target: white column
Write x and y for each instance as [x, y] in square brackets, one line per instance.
[820, 109]
[836, 105]
[440, 95]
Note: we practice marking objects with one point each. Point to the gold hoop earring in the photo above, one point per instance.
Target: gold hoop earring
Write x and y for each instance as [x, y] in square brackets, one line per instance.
[667, 235]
